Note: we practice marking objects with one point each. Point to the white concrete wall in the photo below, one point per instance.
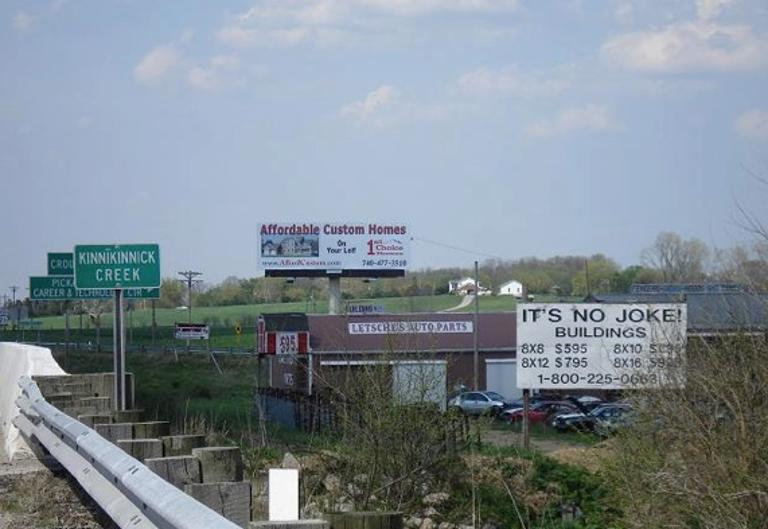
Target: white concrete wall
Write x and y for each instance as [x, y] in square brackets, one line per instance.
[17, 360]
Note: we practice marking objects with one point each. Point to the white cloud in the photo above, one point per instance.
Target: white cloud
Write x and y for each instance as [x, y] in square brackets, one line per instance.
[332, 22]
[510, 82]
[213, 76]
[698, 46]
[423, 7]
[22, 21]
[624, 12]
[167, 64]
[371, 109]
[709, 9]
[236, 36]
[590, 118]
[753, 124]
[157, 64]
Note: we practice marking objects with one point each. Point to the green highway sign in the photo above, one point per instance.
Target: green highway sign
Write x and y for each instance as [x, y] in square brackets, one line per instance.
[111, 266]
[61, 264]
[62, 288]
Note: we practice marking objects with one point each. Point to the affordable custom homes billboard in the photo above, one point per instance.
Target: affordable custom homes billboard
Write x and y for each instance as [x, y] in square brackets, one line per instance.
[349, 249]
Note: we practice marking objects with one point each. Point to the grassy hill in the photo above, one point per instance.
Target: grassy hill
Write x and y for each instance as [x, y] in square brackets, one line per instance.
[228, 315]
[223, 319]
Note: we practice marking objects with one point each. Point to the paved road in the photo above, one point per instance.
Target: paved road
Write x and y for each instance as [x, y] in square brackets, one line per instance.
[465, 301]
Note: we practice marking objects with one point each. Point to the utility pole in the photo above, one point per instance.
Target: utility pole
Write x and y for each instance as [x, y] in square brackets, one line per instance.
[189, 278]
[476, 353]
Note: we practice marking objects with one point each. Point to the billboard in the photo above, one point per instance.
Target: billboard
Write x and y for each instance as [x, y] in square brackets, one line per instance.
[347, 249]
[600, 346]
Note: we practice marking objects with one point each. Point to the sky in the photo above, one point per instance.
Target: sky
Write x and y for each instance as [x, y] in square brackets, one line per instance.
[506, 128]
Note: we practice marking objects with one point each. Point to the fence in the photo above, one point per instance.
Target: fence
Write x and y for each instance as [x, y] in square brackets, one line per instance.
[321, 413]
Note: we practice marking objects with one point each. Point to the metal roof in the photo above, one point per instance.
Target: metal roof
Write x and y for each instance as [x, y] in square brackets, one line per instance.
[708, 312]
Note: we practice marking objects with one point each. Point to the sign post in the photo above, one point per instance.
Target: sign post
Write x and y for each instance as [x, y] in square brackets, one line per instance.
[118, 334]
[117, 267]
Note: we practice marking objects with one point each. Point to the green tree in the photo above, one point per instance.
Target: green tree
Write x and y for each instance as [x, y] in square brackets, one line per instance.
[172, 293]
[601, 271]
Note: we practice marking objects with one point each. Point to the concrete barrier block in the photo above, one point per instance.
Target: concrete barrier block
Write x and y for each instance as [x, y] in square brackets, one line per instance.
[127, 415]
[102, 404]
[221, 463]
[115, 431]
[75, 411]
[151, 429]
[178, 471]
[141, 449]
[181, 445]
[231, 500]
[296, 524]
[365, 520]
[92, 419]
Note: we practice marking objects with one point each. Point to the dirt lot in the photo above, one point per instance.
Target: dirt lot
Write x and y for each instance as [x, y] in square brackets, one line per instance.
[497, 437]
[34, 497]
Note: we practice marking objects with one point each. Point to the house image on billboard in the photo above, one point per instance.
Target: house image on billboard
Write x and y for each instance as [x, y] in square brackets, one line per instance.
[269, 249]
[511, 288]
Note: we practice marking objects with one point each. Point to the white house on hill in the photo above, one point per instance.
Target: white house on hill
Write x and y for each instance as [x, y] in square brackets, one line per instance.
[456, 285]
[466, 286]
[511, 288]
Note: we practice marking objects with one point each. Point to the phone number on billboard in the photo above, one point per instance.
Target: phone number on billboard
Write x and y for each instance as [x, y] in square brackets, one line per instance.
[384, 263]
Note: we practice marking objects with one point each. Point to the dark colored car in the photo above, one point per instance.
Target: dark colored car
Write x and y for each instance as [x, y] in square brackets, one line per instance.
[540, 412]
[603, 419]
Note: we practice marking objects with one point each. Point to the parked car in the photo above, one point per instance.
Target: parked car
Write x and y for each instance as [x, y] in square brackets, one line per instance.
[604, 418]
[540, 412]
[534, 399]
[479, 403]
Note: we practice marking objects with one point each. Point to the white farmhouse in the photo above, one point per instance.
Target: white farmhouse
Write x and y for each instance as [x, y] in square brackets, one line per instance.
[511, 288]
[466, 287]
[457, 286]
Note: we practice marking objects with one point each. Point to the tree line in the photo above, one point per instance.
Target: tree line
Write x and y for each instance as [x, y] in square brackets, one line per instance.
[670, 259]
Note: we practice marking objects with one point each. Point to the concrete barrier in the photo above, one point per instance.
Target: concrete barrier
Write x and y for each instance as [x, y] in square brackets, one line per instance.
[178, 471]
[142, 449]
[231, 500]
[17, 360]
[181, 445]
[220, 463]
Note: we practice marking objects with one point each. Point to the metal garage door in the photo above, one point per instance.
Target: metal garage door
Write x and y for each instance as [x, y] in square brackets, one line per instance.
[501, 377]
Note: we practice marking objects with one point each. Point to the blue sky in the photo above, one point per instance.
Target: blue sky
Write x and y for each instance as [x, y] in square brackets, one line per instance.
[510, 127]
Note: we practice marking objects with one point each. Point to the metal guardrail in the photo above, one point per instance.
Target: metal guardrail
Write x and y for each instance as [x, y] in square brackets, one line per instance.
[131, 494]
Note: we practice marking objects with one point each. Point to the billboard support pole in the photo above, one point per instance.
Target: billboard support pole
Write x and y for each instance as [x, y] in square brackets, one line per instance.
[118, 351]
[334, 294]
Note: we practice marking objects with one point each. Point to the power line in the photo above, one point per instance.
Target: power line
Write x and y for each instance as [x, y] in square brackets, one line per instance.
[189, 279]
[459, 249]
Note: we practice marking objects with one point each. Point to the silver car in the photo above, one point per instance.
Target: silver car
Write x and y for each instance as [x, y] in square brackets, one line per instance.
[479, 403]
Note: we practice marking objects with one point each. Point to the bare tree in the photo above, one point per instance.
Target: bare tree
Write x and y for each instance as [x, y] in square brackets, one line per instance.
[678, 260]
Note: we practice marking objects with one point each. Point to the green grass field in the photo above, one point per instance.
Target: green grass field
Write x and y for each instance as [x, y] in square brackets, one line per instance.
[228, 316]
[224, 319]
